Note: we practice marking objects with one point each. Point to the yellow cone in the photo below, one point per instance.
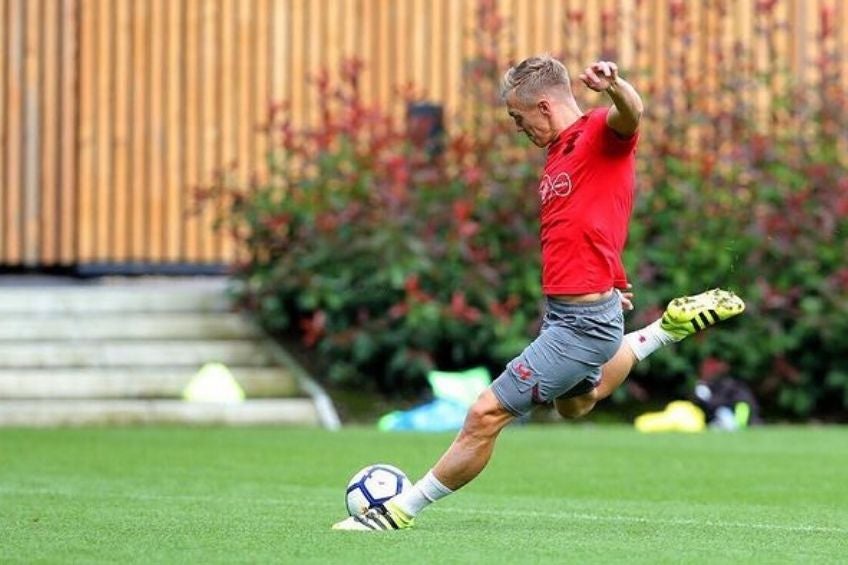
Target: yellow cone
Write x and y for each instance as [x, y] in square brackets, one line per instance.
[213, 383]
[678, 416]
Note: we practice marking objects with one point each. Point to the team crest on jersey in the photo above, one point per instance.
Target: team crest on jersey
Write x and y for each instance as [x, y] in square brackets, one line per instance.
[558, 186]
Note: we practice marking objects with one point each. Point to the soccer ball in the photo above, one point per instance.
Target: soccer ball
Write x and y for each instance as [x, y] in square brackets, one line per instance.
[372, 486]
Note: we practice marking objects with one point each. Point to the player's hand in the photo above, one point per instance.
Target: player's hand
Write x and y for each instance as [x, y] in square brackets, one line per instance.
[626, 298]
[600, 75]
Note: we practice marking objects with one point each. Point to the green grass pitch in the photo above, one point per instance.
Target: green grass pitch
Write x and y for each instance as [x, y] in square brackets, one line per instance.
[552, 494]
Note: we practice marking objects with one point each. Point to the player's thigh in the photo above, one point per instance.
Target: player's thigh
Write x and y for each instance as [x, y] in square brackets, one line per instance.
[554, 363]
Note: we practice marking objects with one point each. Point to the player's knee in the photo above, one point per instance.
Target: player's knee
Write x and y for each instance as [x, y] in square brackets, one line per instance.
[479, 421]
[485, 418]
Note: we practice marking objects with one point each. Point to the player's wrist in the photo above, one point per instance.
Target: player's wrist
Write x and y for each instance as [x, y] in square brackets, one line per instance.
[613, 86]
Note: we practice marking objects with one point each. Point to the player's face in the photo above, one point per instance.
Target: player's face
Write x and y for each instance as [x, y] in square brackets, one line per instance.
[530, 119]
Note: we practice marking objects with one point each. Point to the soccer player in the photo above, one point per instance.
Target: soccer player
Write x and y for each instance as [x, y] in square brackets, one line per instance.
[580, 355]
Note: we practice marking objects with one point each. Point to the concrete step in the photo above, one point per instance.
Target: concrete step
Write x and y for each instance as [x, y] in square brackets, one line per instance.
[136, 382]
[291, 411]
[95, 299]
[115, 326]
[145, 353]
[121, 351]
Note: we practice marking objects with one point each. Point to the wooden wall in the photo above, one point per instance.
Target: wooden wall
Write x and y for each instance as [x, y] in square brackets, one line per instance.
[112, 111]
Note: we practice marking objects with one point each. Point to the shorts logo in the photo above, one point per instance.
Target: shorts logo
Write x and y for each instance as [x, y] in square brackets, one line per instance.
[536, 395]
[559, 186]
[523, 372]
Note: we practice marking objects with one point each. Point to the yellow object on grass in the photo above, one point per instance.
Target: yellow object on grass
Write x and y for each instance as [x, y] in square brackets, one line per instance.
[678, 416]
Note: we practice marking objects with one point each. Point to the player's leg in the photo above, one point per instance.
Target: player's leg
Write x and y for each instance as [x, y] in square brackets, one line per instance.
[613, 374]
[683, 317]
[575, 341]
[466, 457]
[471, 450]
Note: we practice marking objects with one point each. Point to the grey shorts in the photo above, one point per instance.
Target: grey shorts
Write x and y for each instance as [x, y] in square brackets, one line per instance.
[566, 358]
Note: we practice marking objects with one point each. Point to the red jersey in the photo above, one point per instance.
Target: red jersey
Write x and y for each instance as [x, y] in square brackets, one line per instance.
[586, 199]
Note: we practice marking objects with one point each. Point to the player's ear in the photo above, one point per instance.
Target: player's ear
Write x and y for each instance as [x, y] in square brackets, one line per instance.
[544, 106]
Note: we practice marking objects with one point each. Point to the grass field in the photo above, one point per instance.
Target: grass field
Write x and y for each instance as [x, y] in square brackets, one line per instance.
[552, 494]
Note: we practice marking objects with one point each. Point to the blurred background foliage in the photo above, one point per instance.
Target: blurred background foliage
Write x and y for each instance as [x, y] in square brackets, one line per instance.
[388, 253]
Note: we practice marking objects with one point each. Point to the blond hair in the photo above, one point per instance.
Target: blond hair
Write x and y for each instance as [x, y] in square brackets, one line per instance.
[533, 76]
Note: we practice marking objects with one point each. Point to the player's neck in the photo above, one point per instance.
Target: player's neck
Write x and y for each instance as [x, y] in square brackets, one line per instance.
[569, 113]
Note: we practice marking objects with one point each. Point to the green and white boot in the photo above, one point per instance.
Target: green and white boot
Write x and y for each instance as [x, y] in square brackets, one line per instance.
[689, 314]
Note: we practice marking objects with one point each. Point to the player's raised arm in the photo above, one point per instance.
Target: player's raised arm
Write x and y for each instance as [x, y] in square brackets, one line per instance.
[623, 117]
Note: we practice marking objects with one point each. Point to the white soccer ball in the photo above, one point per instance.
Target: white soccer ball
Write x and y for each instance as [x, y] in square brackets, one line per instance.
[372, 486]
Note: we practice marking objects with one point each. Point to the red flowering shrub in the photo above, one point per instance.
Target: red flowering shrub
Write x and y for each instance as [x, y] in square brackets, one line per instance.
[388, 262]
[760, 206]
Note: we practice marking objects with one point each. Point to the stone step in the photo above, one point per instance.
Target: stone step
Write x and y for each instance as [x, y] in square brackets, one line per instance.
[126, 326]
[136, 382]
[121, 351]
[146, 353]
[290, 411]
[52, 301]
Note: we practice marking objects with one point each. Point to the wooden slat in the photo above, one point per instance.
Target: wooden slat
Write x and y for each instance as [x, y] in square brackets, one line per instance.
[87, 74]
[642, 38]
[558, 25]
[521, 18]
[231, 76]
[627, 43]
[380, 67]
[842, 42]
[190, 99]
[398, 70]
[416, 27]
[262, 97]
[453, 60]
[235, 100]
[365, 45]
[297, 63]
[48, 221]
[173, 202]
[69, 100]
[209, 156]
[315, 49]
[32, 111]
[5, 211]
[14, 98]
[434, 51]
[104, 227]
[535, 40]
[246, 71]
[806, 26]
[468, 104]
[281, 59]
[139, 160]
[120, 182]
[155, 198]
[841, 39]
[659, 27]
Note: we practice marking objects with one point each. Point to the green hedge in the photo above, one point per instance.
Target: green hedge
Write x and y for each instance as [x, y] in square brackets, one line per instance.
[388, 263]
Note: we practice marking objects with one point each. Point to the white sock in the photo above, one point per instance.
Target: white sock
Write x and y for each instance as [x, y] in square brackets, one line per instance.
[647, 340]
[422, 494]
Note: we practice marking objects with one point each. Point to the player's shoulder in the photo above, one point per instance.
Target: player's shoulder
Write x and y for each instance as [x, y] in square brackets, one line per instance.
[595, 121]
[597, 116]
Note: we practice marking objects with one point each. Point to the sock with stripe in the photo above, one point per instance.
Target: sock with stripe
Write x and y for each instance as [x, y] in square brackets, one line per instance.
[647, 340]
[423, 493]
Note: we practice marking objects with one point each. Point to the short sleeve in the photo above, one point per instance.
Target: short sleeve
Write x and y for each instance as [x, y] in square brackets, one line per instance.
[613, 142]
